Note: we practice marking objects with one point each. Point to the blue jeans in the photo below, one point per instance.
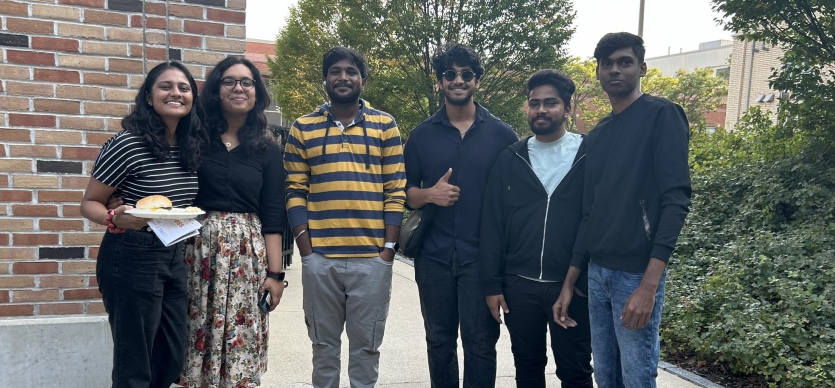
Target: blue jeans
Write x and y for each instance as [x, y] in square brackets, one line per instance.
[622, 357]
[450, 294]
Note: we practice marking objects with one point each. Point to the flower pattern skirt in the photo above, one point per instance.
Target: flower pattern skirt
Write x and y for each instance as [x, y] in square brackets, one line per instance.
[227, 332]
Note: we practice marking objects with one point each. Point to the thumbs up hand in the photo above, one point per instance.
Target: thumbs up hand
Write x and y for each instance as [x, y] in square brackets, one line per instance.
[443, 193]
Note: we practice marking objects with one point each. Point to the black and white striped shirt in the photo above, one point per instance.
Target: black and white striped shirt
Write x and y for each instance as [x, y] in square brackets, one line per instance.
[127, 164]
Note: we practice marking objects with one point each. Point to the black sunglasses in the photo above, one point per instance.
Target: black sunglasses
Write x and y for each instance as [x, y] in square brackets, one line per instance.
[229, 82]
[466, 75]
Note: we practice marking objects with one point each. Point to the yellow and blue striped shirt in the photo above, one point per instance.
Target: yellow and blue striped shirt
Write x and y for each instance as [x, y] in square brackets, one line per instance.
[346, 184]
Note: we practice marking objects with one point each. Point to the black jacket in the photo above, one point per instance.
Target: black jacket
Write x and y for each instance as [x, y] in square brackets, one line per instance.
[523, 230]
[637, 186]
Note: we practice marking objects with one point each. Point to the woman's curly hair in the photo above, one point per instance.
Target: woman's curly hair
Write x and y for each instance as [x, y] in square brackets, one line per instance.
[146, 123]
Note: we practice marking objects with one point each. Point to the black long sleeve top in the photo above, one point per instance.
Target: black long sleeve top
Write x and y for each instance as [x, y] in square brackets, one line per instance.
[234, 181]
[637, 186]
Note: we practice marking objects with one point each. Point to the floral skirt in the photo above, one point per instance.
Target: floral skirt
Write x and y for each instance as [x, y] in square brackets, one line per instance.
[227, 332]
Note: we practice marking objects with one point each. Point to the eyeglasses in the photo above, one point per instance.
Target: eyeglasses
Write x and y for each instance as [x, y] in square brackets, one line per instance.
[466, 75]
[229, 82]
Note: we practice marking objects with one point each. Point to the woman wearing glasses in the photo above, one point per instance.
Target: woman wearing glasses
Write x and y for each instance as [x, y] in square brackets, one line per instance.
[237, 256]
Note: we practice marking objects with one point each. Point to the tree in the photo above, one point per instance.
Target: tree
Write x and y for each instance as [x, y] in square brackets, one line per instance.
[589, 103]
[805, 29]
[513, 37]
[698, 93]
[297, 78]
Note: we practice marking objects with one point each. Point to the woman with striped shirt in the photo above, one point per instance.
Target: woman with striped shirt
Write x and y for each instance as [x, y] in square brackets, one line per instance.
[143, 282]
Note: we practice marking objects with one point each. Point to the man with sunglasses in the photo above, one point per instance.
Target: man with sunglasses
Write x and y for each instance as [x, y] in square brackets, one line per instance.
[448, 158]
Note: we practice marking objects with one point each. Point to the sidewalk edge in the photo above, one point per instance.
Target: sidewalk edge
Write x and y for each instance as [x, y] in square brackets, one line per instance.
[687, 375]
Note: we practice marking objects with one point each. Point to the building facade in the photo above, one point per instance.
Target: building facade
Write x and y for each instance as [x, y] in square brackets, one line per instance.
[69, 70]
[714, 55]
[752, 66]
[257, 51]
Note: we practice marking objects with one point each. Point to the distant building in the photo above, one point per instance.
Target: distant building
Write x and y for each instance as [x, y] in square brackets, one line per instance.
[751, 67]
[257, 51]
[714, 55]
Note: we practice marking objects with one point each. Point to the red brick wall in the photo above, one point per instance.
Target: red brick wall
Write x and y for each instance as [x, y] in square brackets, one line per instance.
[257, 52]
[68, 73]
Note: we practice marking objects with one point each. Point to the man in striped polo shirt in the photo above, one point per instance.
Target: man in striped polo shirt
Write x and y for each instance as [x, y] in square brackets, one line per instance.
[345, 196]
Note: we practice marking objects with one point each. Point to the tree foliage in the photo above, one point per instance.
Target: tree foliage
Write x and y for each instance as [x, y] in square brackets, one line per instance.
[588, 103]
[752, 282]
[698, 92]
[513, 37]
[805, 29]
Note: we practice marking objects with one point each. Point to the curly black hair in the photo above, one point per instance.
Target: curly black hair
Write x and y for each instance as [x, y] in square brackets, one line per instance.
[337, 54]
[564, 85]
[254, 136]
[145, 122]
[456, 54]
[615, 41]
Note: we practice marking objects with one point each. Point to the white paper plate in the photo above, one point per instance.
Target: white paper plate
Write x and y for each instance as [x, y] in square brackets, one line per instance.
[165, 215]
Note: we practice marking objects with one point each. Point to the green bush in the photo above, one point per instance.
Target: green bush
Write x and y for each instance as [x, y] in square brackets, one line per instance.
[752, 283]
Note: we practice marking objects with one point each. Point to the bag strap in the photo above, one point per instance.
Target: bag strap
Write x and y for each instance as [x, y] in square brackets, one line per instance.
[469, 146]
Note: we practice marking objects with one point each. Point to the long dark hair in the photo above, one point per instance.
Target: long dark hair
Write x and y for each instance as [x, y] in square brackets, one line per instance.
[146, 123]
[254, 136]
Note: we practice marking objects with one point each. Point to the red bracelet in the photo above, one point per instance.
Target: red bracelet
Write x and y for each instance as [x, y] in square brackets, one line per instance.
[111, 227]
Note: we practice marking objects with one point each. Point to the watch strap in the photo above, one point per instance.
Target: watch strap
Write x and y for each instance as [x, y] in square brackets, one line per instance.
[276, 275]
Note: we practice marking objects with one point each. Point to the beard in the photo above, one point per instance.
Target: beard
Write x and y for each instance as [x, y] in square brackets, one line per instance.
[552, 127]
[353, 96]
[455, 100]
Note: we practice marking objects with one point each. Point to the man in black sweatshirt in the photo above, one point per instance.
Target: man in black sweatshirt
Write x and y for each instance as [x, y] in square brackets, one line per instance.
[530, 216]
[636, 197]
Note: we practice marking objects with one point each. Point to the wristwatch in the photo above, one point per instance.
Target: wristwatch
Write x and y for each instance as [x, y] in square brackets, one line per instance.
[391, 245]
[276, 275]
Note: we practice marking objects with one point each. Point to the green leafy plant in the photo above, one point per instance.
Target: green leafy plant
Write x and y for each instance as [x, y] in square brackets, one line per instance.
[752, 283]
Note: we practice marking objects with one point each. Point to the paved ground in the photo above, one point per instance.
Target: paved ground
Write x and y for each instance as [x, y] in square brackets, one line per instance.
[403, 361]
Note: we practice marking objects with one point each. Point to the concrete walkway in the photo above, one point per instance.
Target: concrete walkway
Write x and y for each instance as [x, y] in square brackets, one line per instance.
[403, 360]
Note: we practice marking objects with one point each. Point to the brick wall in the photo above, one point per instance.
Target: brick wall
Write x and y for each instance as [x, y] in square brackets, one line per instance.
[69, 70]
[257, 51]
[765, 61]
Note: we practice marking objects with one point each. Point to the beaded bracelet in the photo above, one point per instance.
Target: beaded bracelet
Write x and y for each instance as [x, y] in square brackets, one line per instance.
[111, 227]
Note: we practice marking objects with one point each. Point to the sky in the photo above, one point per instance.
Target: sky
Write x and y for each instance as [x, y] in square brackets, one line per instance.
[669, 25]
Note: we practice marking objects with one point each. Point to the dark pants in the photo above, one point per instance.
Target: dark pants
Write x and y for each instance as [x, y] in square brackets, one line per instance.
[530, 304]
[451, 294]
[144, 288]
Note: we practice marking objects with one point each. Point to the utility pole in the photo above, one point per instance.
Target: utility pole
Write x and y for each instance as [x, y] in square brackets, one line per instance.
[641, 20]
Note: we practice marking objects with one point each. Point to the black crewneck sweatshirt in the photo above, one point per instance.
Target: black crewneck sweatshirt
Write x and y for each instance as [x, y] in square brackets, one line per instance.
[637, 186]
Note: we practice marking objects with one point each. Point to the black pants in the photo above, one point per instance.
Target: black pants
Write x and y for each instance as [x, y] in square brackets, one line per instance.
[450, 294]
[144, 288]
[530, 304]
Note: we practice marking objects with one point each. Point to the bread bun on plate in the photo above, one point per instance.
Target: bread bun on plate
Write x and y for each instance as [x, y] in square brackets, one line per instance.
[154, 203]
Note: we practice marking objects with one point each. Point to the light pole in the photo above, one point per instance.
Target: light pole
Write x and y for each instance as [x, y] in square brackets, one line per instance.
[641, 20]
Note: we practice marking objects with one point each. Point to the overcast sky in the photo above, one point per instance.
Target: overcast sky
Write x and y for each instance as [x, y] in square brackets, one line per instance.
[672, 25]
